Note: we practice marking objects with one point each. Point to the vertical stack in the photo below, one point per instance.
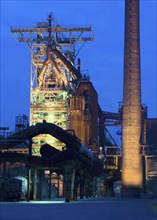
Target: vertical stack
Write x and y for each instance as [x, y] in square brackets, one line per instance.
[131, 162]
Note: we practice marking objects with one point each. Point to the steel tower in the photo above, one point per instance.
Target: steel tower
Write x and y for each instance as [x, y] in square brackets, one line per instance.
[53, 74]
[131, 160]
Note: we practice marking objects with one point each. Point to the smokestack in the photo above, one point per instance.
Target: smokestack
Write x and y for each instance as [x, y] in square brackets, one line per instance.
[131, 158]
[79, 65]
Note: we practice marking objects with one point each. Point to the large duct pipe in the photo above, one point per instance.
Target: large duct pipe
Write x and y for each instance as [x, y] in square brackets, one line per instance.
[72, 142]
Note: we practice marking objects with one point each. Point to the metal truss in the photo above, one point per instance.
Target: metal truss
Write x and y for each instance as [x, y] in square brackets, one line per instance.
[53, 76]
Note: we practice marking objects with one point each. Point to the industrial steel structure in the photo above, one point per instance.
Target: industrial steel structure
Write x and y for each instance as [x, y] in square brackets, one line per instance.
[67, 132]
[54, 75]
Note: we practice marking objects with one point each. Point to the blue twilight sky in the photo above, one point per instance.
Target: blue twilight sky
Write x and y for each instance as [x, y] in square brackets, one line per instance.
[103, 58]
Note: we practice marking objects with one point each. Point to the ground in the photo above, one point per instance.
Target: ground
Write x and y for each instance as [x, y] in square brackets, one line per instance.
[86, 209]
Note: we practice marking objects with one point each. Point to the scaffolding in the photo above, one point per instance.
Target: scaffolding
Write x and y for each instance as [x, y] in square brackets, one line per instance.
[53, 75]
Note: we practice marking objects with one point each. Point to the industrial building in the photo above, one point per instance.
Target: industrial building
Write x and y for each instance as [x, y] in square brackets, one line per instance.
[67, 143]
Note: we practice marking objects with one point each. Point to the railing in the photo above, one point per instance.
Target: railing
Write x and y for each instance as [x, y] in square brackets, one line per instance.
[16, 150]
[112, 158]
[6, 134]
[151, 166]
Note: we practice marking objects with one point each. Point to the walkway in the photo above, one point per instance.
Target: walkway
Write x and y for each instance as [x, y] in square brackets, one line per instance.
[86, 209]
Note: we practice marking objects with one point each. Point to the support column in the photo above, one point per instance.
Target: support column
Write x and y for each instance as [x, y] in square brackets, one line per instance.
[58, 184]
[82, 183]
[35, 185]
[102, 185]
[86, 187]
[91, 186]
[69, 181]
[28, 183]
[94, 183]
[40, 184]
[98, 186]
[49, 183]
[4, 169]
[75, 186]
[144, 174]
[29, 172]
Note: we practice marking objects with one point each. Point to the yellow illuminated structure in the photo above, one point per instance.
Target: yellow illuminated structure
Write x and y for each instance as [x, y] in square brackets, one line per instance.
[131, 124]
[53, 73]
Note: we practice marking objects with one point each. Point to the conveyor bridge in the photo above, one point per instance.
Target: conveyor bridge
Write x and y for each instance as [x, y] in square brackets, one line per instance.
[76, 162]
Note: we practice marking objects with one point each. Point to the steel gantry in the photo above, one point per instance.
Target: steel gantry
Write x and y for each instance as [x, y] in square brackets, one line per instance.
[53, 74]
